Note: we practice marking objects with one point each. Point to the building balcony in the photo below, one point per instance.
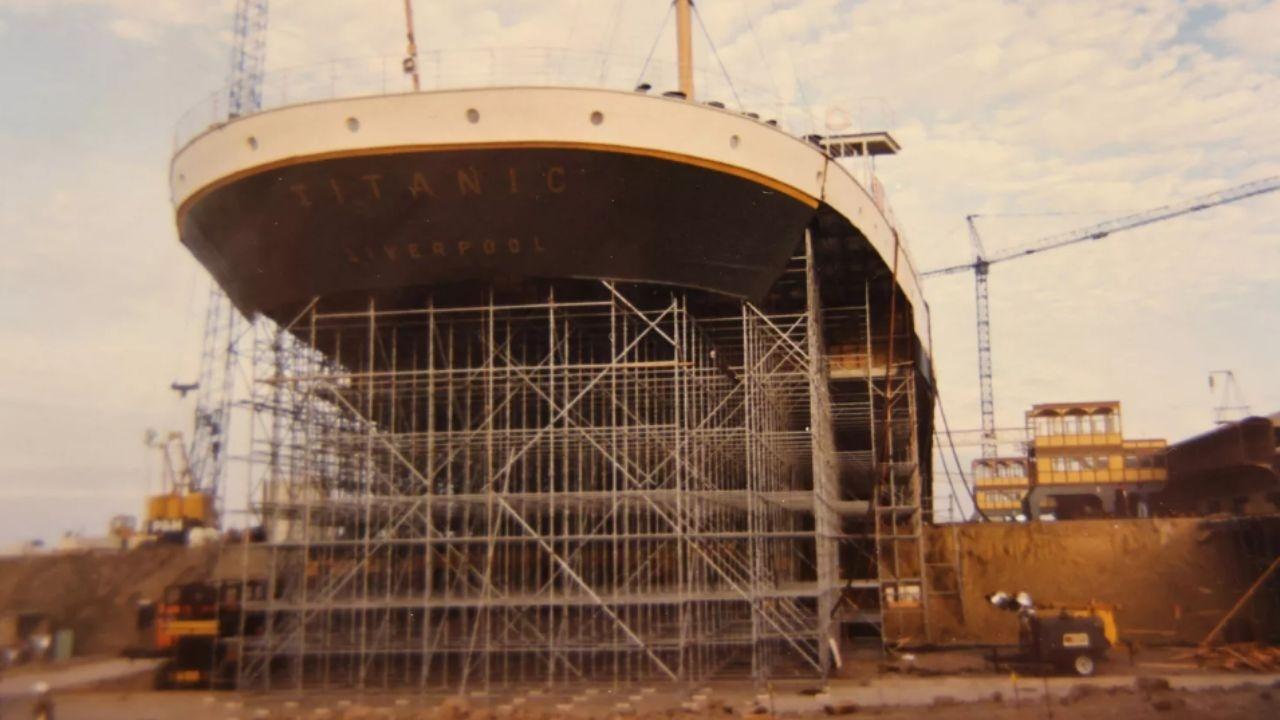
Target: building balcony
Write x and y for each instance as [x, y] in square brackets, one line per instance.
[1102, 477]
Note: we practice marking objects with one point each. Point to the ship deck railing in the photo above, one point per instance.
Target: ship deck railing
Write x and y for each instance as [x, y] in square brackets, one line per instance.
[519, 67]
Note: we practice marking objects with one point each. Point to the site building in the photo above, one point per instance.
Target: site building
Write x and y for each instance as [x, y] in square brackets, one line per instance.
[1078, 462]
[1001, 485]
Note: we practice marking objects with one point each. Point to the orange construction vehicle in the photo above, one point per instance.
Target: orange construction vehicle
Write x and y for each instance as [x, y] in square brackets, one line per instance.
[197, 627]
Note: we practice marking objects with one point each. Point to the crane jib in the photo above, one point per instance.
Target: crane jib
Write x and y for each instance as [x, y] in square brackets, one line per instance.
[983, 262]
[1128, 222]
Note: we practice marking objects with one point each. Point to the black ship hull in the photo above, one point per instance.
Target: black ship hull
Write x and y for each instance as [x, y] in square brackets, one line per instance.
[377, 222]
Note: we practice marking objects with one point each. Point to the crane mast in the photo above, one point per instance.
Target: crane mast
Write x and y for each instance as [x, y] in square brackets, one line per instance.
[216, 386]
[982, 263]
[982, 303]
[248, 57]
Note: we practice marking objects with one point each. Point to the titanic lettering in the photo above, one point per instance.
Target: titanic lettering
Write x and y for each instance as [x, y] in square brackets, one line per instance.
[433, 183]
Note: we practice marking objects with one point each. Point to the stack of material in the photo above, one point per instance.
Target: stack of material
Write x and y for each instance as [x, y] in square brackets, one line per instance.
[1237, 656]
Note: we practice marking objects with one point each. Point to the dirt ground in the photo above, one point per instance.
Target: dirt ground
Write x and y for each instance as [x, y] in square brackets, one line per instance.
[1122, 703]
[1171, 578]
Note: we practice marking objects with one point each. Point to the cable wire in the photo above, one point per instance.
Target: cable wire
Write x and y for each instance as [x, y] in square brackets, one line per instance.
[568, 40]
[969, 489]
[946, 470]
[764, 61]
[647, 58]
[1053, 213]
[611, 40]
[716, 54]
[808, 109]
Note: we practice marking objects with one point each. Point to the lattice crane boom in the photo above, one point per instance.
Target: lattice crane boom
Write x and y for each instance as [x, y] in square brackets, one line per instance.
[1127, 222]
[248, 57]
[216, 386]
[982, 263]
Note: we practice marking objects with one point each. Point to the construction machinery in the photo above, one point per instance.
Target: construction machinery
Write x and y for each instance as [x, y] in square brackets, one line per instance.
[1228, 399]
[198, 628]
[123, 528]
[186, 633]
[205, 461]
[182, 503]
[983, 261]
[1064, 638]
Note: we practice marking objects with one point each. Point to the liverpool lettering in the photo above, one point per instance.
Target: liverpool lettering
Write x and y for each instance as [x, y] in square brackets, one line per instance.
[458, 249]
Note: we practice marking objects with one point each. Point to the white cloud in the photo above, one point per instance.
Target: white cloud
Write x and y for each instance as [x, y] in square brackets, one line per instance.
[127, 28]
[1090, 107]
[1087, 106]
[1251, 31]
[134, 20]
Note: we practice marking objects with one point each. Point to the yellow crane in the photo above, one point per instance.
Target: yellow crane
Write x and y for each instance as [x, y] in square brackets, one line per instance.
[181, 504]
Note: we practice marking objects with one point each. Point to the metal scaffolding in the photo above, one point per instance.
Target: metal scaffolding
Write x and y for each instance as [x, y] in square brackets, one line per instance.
[581, 486]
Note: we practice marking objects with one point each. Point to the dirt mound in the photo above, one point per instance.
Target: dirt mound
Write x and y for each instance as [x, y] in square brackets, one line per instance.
[94, 593]
[1172, 578]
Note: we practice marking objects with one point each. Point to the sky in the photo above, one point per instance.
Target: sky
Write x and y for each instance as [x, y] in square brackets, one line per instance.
[1041, 117]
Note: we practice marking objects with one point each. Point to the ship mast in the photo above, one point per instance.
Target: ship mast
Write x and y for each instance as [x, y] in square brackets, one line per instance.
[411, 54]
[684, 46]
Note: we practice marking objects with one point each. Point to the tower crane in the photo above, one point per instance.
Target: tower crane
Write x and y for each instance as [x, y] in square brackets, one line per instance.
[982, 263]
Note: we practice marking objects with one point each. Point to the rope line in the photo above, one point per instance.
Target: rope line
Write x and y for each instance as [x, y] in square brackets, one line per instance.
[796, 74]
[716, 54]
[657, 37]
[764, 61]
[969, 489]
[611, 40]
